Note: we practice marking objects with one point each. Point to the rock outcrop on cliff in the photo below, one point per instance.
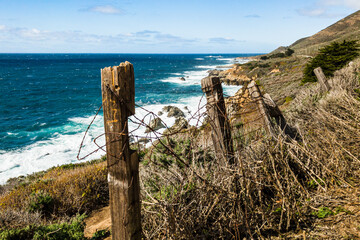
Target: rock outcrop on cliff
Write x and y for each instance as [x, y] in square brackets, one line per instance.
[233, 76]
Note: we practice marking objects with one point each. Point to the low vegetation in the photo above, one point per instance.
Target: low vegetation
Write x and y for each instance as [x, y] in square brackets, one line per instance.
[29, 208]
[60, 231]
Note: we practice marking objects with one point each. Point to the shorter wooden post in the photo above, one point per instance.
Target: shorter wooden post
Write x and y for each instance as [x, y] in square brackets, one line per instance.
[276, 114]
[118, 93]
[322, 79]
[256, 96]
[221, 134]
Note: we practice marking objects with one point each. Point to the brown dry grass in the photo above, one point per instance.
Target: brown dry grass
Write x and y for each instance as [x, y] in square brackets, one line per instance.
[345, 29]
[72, 191]
[275, 185]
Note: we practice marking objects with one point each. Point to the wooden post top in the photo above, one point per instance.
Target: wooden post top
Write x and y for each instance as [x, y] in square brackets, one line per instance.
[251, 84]
[254, 90]
[322, 79]
[121, 81]
[209, 83]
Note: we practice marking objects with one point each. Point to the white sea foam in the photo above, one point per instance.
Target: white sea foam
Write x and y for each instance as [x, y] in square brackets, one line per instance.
[210, 56]
[241, 60]
[227, 60]
[230, 90]
[199, 59]
[60, 149]
[206, 66]
[191, 78]
[172, 80]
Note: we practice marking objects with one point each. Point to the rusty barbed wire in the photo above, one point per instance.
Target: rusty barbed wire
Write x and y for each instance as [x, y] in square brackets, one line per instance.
[198, 115]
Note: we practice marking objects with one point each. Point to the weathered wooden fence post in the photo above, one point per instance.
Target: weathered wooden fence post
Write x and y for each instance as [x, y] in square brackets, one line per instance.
[322, 79]
[256, 96]
[118, 94]
[216, 111]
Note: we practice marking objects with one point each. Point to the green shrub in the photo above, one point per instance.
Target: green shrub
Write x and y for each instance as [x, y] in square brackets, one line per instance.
[278, 55]
[357, 91]
[41, 202]
[101, 234]
[323, 213]
[331, 58]
[288, 99]
[265, 65]
[73, 230]
[17, 234]
[342, 210]
[289, 52]
[239, 125]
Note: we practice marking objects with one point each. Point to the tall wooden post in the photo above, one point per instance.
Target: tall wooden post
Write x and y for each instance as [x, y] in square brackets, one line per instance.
[118, 93]
[216, 111]
[256, 96]
[322, 79]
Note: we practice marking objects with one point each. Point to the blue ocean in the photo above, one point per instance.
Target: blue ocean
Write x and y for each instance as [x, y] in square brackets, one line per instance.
[48, 100]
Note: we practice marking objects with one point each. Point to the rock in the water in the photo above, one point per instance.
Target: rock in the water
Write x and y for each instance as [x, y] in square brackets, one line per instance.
[173, 111]
[182, 79]
[160, 113]
[144, 140]
[180, 124]
[155, 125]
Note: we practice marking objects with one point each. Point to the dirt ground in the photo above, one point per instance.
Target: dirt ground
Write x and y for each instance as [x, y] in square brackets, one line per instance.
[98, 220]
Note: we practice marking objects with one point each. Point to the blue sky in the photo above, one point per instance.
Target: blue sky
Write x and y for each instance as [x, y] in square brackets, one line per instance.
[163, 26]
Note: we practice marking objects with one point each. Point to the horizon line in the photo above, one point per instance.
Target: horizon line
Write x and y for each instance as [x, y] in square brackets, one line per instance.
[120, 53]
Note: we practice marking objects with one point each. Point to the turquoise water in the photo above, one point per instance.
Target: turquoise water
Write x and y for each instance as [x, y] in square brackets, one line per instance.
[47, 100]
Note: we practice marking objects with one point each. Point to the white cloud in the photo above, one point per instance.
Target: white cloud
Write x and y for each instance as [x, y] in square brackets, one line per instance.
[355, 4]
[328, 8]
[221, 40]
[253, 16]
[311, 12]
[156, 37]
[104, 9]
[34, 35]
[15, 39]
